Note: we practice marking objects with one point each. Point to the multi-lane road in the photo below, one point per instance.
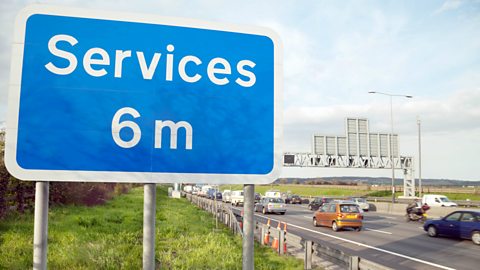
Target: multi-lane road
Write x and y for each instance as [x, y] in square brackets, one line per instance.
[385, 239]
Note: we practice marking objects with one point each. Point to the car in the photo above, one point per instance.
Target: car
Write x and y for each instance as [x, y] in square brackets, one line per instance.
[361, 202]
[318, 202]
[210, 194]
[218, 196]
[257, 197]
[463, 224]
[271, 205]
[293, 199]
[339, 215]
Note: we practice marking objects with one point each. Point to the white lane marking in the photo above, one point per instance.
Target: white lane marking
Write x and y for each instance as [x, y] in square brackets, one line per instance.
[377, 221]
[308, 217]
[368, 229]
[371, 247]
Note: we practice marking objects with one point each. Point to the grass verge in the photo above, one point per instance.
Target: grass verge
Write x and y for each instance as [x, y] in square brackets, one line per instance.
[110, 237]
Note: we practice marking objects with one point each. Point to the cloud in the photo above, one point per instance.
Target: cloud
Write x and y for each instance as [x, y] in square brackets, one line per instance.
[458, 112]
[448, 5]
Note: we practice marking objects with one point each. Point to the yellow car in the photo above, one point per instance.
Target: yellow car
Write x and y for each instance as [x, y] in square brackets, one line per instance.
[338, 215]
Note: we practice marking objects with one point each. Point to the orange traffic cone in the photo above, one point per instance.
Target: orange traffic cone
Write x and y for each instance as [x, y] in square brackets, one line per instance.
[275, 243]
[275, 239]
[266, 238]
[285, 237]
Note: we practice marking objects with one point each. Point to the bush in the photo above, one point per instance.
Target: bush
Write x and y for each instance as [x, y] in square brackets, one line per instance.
[380, 193]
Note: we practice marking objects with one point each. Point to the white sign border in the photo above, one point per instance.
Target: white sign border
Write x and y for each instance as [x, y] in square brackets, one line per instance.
[133, 177]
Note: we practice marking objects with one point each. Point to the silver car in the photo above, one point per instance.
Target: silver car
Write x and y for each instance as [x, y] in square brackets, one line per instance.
[361, 202]
[271, 205]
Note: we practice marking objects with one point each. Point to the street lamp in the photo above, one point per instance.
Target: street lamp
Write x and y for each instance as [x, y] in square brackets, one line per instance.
[391, 134]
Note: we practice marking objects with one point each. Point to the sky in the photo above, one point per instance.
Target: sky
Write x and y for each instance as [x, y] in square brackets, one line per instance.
[335, 52]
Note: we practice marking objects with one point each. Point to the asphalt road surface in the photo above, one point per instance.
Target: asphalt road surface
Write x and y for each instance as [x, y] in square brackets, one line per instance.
[384, 239]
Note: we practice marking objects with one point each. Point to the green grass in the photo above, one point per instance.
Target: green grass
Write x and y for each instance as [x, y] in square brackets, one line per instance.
[303, 190]
[110, 237]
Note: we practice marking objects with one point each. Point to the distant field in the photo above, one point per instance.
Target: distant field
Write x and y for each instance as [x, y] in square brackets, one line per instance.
[110, 237]
[303, 190]
[309, 190]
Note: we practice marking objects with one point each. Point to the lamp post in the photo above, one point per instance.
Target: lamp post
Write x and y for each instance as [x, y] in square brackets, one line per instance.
[419, 159]
[391, 134]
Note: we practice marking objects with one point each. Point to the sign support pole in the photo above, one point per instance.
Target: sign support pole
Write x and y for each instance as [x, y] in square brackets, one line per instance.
[248, 226]
[40, 227]
[149, 201]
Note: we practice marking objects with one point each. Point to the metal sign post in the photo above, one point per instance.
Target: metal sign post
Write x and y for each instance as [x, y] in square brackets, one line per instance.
[248, 226]
[40, 227]
[149, 203]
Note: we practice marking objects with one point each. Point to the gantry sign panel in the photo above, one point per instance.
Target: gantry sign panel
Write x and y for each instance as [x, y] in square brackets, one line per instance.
[358, 141]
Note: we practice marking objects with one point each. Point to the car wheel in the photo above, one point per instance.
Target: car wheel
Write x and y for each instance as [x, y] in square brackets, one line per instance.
[264, 211]
[282, 213]
[432, 231]
[358, 229]
[335, 226]
[476, 238]
[315, 224]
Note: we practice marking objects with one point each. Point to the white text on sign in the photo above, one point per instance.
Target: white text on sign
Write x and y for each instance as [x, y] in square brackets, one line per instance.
[95, 60]
[159, 126]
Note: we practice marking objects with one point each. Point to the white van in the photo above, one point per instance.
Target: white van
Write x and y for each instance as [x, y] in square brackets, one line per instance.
[237, 197]
[273, 194]
[227, 195]
[437, 200]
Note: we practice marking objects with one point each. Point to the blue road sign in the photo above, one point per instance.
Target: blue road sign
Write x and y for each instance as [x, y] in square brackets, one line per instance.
[131, 98]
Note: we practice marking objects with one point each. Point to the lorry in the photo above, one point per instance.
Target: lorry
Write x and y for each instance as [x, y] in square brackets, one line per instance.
[203, 190]
[437, 200]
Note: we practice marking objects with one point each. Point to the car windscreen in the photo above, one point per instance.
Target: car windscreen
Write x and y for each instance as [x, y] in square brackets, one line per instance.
[349, 208]
[444, 199]
[275, 200]
[361, 200]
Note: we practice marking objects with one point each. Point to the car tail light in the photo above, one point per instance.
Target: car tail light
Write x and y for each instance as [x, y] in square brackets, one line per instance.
[339, 215]
[359, 216]
[269, 205]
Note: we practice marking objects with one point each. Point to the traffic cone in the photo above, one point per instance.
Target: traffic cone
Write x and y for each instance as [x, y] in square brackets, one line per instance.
[275, 243]
[275, 239]
[285, 238]
[266, 238]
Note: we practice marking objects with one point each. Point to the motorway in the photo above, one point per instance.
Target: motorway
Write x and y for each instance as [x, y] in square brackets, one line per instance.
[384, 239]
